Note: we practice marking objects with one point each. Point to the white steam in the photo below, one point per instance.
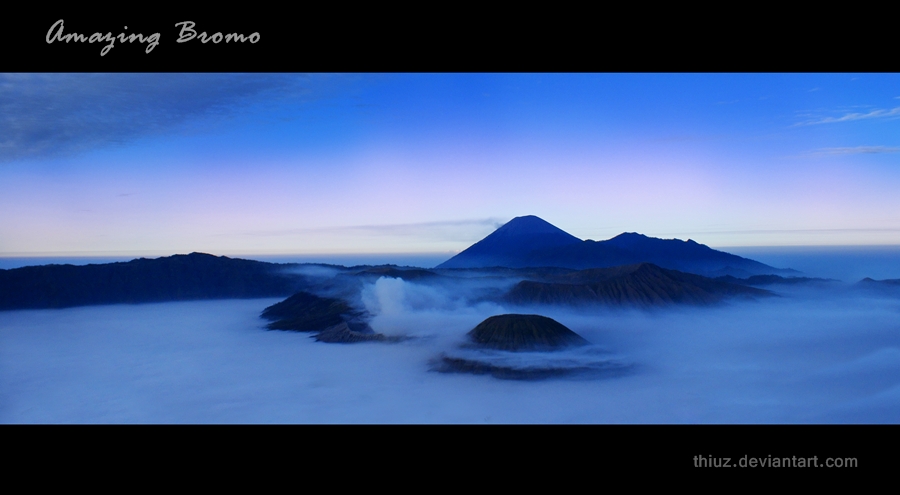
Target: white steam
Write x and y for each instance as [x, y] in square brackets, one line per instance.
[404, 308]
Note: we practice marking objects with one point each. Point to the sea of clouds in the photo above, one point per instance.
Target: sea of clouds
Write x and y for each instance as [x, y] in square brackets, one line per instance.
[814, 355]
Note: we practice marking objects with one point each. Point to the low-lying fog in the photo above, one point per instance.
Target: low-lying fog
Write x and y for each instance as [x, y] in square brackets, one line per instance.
[814, 355]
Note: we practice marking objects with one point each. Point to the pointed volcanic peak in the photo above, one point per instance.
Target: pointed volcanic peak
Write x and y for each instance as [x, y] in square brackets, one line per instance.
[530, 242]
[512, 244]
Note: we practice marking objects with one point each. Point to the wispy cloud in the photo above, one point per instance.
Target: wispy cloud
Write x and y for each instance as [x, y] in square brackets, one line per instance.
[854, 150]
[60, 114]
[783, 231]
[422, 229]
[878, 113]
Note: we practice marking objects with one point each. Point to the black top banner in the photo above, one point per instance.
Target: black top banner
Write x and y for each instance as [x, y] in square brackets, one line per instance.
[447, 38]
[80, 42]
[340, 40]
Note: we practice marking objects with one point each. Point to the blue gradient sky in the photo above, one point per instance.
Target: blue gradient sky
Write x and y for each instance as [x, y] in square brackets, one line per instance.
[157, 164]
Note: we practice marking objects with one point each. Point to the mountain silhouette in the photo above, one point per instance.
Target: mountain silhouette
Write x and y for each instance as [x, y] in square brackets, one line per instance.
[306, 312]
[181, 277]
[535, 338]
[513, 332]
[333, 320]
[532, 242]
[510, 245]
[643, 285]
[889, 287]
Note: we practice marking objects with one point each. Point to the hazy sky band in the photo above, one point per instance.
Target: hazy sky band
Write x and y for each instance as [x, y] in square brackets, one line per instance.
[430, 163]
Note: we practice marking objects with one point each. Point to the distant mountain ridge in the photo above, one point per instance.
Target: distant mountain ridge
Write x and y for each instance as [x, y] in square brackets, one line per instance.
[532, 242]
[644, 285]
[181, 277]
[527, 248]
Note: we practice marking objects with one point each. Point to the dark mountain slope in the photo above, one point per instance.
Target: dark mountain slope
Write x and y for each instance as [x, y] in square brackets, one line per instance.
[495, 339]
[884, 287]
[307, 312]
[886, 282]
[523, 332]
[761, 280]
[642, 285]
[687, 256]
[333, 320]
[173, 278]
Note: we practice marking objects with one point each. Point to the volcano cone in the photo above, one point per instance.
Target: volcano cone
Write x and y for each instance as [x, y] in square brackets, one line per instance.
[523, 332]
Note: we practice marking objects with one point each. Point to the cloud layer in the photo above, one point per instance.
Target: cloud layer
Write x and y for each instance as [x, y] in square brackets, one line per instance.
[855, 150]
[878, 113]
[815, 356]
[45, 115]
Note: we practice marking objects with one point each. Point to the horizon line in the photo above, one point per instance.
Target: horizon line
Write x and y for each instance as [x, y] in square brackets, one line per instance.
[142, 254]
